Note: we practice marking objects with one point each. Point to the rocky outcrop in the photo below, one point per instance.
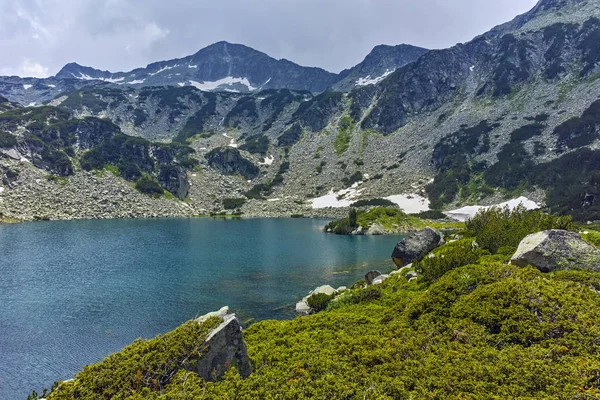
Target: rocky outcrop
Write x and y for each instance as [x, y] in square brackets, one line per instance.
[230, 161]
[302, 306]
[416, 245]
[223, 347]
[556, 250]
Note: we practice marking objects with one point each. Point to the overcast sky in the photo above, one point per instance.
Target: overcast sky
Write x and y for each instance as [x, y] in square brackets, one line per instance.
[37, 37]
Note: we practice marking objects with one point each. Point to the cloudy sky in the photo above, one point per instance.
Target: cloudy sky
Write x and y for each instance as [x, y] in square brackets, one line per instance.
[37, 37]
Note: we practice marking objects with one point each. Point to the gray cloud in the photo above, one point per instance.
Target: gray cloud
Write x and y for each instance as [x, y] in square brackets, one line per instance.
[37, 37]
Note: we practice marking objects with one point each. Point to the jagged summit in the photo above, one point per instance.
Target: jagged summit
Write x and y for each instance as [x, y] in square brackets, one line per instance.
[378, 64]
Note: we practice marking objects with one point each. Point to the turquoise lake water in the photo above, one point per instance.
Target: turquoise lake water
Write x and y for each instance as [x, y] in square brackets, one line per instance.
[72, 292]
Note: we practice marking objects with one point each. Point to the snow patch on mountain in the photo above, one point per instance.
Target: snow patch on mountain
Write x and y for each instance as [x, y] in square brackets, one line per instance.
[85, 77]
[230, 80]
[462, 214]
[367, 80]
[26, 87]
[136, 82]
[342, 198]
[410, 203]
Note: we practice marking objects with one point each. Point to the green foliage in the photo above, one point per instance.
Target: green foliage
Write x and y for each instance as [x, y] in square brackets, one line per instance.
[373, 202]
[256, 145]
[451, 158]
[496, 228]
[197, 123]
[84, 98]
[579, 131]
[149, 186]
[245, 108]
[592, 237]
[139, 117]
[454, 255]
[527, 132]
[232, 204]
[344, 136]
[260, 190]
[143, 368]
[318, 302]
[348, 181]
[431, 214]
[291, 136]
[7, 140]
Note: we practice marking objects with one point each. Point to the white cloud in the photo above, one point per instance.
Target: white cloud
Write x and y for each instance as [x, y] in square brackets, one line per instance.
[34, 69]
[27, 68]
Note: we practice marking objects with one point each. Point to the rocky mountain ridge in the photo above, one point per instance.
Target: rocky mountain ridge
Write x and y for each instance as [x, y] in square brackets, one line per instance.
[221, 67]
[470, 124]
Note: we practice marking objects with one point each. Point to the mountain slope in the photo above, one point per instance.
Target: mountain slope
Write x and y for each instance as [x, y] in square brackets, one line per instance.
[470, 124]
[221, 66]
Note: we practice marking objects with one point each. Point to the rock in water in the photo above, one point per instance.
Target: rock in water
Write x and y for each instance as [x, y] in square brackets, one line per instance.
[416, 245]
[556, 250]
[224, 347]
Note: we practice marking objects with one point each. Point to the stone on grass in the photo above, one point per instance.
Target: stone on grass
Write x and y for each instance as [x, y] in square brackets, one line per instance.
[556, 250]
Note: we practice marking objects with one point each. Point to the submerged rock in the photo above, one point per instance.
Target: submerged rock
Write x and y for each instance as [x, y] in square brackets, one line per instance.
[556, 250]
[223, 347]
[416, 245]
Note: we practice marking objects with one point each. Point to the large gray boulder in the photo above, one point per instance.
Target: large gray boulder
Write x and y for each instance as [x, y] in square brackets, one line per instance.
[223, 347]
[556, 250]
[416, 245]
[371, 275]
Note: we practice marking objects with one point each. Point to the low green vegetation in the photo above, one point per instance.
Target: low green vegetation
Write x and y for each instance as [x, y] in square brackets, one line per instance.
[256, 145]
[470, 327]
[259, 191]
[7, 140]
[392, 219]
[147, 185]
[319, 302]
[497, 228]
[232, 204]
[344, 136]
[373, 202]
[141, 369]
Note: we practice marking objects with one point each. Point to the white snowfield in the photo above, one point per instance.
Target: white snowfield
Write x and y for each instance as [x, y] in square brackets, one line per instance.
[85, 77]
[367, 80]
[343, 198]
[230, 80]
[462, 214]
[27, 87]
[410, 203]
[268, 161]
[136, 82]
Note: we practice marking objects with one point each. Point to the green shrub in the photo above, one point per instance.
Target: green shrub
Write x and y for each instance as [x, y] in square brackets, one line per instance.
[7, 140]
[447, 258]
[431, 214]
[352, 179]
[318, 302]
[344, 136]
[149, 186]
[232, 204]
[145, 366]
[373, 202]
[256, 145]
[495, 228]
